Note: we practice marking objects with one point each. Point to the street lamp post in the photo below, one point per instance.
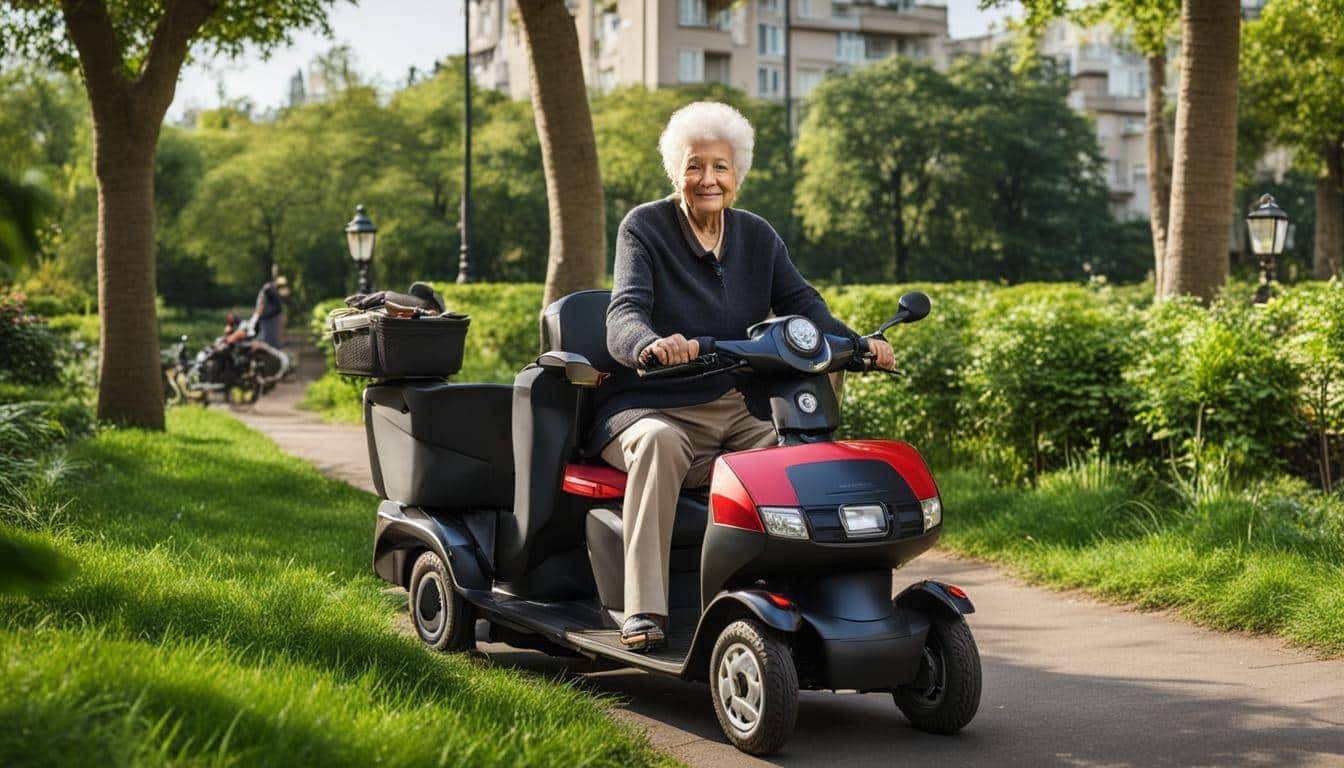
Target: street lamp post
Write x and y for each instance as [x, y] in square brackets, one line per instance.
[1267, 226]
[360, 234]
[464, 256]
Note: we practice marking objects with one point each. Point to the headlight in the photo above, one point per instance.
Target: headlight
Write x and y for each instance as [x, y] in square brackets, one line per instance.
[933, 512]
[803, 336]
[784, 522]
[863, 520]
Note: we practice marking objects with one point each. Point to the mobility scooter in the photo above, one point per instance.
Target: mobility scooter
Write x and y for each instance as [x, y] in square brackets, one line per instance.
[781, 575]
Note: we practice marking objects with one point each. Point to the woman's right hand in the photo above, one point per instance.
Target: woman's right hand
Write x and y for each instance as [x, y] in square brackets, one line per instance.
[672, 350]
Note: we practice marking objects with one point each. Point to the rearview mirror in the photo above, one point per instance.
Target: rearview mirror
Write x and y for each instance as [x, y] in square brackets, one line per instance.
[914, 307]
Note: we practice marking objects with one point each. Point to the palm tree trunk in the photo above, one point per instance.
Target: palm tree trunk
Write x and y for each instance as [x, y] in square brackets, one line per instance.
[568, 150]
[1159, 165]
[1205, 157]
[1329, 247]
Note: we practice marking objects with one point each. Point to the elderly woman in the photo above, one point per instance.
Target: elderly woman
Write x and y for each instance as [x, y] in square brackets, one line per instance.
[689, 269]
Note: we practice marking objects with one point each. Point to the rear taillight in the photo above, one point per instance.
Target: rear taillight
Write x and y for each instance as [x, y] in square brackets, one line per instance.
[729, 502]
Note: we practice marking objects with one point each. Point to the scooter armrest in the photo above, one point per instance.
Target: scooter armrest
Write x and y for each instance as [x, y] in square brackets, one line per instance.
[574, 367]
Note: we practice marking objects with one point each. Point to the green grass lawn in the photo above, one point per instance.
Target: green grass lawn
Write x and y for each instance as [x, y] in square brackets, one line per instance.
[223, 612]
[1264, 558]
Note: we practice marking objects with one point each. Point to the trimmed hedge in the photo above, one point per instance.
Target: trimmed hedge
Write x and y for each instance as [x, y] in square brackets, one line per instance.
[1023, 379]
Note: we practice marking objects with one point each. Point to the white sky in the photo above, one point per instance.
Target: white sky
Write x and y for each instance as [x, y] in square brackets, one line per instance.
[388, 38]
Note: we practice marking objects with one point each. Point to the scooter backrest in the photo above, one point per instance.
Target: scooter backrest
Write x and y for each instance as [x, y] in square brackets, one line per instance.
[578, 323]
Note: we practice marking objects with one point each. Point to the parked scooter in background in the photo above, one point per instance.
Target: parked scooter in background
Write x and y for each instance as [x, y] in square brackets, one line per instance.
[238, 366]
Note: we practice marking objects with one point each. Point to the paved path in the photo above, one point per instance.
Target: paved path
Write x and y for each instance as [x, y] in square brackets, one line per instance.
[1068, 681]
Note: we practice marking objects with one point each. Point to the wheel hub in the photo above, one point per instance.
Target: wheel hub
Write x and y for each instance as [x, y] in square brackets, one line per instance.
[429, 607]
[740, 688]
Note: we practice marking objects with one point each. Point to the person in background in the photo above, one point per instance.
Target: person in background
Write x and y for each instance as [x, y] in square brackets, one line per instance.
[269, 316]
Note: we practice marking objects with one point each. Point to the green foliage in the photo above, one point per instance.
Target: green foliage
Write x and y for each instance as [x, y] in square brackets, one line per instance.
[1045, 374]
[986, 162]
[1263, 557]
[1292, 65]
[29, 350]
[231, 618]
[923, 403]
[1217, 379]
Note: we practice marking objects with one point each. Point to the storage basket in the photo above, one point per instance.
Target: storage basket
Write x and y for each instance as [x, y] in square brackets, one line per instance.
[379, 346]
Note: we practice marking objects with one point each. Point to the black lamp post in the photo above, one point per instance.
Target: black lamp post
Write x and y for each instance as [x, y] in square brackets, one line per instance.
[360, 234]
[464, 253]
[1267, 226]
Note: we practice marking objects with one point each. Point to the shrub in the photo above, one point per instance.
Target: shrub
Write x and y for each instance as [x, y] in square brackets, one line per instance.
[1045, 373]
[1215, 379]
[29, 350]
[1309, 320]
[920, 404]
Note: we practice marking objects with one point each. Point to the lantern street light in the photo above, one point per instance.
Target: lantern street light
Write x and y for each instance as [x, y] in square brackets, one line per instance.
[360, 234]
[1267, 226]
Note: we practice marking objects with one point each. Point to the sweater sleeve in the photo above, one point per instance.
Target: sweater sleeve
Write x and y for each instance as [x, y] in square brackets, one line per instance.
[629, 316]
[790, 294]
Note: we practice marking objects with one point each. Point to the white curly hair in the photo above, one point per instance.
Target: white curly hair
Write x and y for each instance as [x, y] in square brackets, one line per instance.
[706, 121]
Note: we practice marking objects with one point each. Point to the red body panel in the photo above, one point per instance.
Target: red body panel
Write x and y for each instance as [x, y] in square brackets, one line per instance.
[761, 471]
[729, 502]
[594, 482]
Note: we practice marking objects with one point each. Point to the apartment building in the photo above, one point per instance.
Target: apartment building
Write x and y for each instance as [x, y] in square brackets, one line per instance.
[1109, 83]
[670, 42]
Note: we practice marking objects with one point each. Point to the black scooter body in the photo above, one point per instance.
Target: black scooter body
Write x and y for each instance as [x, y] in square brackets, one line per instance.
[530, 534]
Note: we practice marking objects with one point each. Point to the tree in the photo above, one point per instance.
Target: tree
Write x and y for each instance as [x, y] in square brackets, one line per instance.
[868, 174]
[981, 172]
[1294, 58]
[1190, 232]
[568, 150]
[130, 55]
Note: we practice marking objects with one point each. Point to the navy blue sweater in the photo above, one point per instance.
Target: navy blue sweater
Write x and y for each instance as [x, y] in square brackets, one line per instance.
[666, 283]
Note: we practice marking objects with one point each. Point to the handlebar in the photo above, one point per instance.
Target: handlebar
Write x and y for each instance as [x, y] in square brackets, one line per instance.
[844, 357]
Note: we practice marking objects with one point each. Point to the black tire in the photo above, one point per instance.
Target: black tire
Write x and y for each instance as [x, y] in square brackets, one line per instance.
[945, 697]
[775, 677]
[442, 619]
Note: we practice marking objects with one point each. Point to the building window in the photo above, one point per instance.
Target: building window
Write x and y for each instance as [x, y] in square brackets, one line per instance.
[849, 48]
[768, 82]
[807, 80]
[717, 68]
[805, 9]
[693, 13]
[769, 6]
[840, 9]
[606, 80]
[691, 66]
[771, 41]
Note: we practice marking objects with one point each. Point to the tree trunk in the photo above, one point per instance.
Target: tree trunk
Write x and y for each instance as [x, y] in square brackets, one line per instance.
[1159, 165]
[1329, 247]
[127, 114]
[1205, 162]
[568, 150]
[129, 387]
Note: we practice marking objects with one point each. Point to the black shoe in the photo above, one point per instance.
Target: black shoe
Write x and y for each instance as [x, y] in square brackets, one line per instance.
[642, 632]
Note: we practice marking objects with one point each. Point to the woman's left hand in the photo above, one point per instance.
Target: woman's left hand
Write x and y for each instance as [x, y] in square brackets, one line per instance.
[881, 349]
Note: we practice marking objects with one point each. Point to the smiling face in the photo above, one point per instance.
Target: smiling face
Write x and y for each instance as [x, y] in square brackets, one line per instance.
[708, 183]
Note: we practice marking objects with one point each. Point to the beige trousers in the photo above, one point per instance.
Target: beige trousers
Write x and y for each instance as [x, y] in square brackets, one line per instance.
[661, 454]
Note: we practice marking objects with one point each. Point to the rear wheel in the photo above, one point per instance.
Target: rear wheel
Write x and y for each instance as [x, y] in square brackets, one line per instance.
[442, 619]
[946, 694]
[754, 686]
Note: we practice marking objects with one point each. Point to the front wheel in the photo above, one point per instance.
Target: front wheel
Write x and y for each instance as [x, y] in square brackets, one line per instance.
[946, 694]
[754, 686]
[442, 619]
